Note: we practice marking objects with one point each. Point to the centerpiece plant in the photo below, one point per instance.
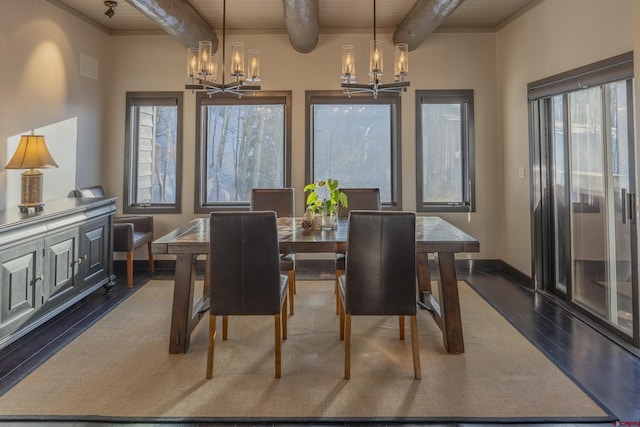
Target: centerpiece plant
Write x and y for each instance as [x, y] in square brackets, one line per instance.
[325, 198]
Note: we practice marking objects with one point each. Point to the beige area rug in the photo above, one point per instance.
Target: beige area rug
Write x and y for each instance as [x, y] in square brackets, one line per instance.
[120, 369]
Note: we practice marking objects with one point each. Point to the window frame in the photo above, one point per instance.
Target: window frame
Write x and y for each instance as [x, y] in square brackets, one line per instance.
[333, 97]
[261, 97]
[130, 206]
[467, 133]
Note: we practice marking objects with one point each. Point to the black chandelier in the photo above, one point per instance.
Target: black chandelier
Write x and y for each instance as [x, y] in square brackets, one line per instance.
[202, 67]
[376, 67]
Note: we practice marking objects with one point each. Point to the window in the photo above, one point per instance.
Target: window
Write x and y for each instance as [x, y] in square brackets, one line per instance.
[355, 140]
[242, 143]
[153, 152]
[445, 151]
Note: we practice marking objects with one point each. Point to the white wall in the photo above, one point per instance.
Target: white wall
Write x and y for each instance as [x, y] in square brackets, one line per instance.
[41, 88]
[444, 61]
[553, 37]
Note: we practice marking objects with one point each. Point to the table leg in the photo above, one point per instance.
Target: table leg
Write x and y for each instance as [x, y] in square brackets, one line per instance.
[182, 312]
[206, 289]
[424, 273]
[451, 324]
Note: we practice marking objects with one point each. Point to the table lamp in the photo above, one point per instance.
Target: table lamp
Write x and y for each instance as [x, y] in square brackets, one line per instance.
[31, 153]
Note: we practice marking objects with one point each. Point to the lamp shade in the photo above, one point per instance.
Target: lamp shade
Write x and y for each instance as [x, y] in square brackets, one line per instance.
[32, 153]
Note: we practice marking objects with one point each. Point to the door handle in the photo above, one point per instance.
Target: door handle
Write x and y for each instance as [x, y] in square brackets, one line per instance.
[623, 197]
[628, 206]
[631, 207]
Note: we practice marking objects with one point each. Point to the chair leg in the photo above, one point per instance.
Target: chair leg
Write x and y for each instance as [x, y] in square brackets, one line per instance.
[278, 345]
[338, 274]
[416, 347]
[341, 310]
[293, 277]
[225, 327]
[151, 263]
[401, 323]
[284, 319]
[212, 340]
[129, 270]
[347, 346]
[292, 287]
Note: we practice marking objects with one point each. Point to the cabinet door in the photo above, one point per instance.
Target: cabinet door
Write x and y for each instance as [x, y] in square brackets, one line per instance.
[95, 245]
[21, 284]
[61, 261]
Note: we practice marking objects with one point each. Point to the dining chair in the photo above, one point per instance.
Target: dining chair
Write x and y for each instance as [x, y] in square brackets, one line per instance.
[129, 231]
[357, 199]
[245, 274]
[380, 275]
[281, 201]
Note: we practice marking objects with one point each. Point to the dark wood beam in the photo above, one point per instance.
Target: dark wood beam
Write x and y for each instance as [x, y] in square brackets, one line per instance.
[422, 20]
[303, 24]
[179, 19]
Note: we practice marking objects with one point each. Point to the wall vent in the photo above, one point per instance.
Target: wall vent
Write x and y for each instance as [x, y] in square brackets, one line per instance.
[88, 66]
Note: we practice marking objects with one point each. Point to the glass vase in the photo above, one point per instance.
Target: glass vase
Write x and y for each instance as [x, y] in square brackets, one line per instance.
[316, 222]
[329, 222]
[307, 220]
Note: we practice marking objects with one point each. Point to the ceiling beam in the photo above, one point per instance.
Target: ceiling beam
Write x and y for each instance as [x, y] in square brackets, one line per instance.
[179, 19]
[303, 23]
[422, 20]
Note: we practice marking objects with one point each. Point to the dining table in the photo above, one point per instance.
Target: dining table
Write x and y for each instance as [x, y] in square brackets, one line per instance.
[437, 243]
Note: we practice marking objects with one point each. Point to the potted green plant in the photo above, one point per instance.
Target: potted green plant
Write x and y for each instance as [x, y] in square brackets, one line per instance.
[325, 198]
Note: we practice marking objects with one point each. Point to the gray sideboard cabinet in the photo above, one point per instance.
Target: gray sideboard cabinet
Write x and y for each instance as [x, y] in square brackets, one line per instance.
[51, 259]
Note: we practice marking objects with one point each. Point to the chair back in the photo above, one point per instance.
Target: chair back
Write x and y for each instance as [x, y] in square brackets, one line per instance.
[244, 261]
[360, 199]
[380, 271]
[93, 192]
[279, 200]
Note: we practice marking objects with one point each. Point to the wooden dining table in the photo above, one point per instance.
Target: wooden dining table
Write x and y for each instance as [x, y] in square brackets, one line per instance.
[436, 239]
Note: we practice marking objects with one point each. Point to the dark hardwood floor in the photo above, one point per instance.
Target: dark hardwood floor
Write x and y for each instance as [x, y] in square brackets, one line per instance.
[606, 369]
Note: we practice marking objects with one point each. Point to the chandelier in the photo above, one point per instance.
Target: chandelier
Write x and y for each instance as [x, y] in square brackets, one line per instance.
[202, 67]
[376, 67]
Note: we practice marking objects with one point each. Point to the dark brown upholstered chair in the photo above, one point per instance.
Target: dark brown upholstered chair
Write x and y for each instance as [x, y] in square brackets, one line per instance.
[358, 199]
[281, 201]
[380, 278]
[245, 274]
[129, 232]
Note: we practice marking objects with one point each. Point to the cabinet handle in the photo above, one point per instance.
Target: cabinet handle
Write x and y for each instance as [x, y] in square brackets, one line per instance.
[79, 260]
[40, 278]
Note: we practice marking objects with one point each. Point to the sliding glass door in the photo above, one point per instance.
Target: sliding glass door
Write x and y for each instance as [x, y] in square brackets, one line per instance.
[586, 152]
[601, 232]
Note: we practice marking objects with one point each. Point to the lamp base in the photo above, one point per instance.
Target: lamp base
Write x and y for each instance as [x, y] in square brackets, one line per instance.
[25, 208]
[31, 191]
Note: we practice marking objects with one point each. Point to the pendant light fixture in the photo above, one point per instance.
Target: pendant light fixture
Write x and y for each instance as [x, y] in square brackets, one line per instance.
[376, 67]
[202, 67]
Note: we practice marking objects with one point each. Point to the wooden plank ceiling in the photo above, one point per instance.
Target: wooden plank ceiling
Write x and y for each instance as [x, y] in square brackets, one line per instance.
[335, 15]
[190, 21]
